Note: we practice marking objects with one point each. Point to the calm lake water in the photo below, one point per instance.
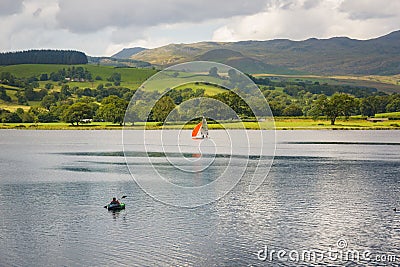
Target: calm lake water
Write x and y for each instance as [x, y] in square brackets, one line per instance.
[328, 193]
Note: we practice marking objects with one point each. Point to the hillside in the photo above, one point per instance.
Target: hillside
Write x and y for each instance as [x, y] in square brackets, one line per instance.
[129, 75]
[128, 52]
[25, 74]
[238, 60]
[118, 62]
[334, 56]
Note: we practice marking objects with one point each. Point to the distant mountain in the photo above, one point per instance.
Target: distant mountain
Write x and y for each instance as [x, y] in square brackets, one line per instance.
[128, 52]
[337, 55]
[239, 61]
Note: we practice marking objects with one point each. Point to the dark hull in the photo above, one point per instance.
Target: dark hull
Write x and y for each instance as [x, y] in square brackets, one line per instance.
[116, 206]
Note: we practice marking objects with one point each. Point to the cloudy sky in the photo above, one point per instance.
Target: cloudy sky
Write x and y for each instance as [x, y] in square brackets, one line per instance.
[102, 28]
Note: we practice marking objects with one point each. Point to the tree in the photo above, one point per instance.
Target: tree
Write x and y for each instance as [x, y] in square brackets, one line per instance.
[43, 57]
[394, 104]
[337, 105]
[48, 101]
[235, 102]
[3, 95]
[44, 77]
[29, 93]
[213, 72]
[12, 118]
[77, 113]
[137, 112]
[293, 110]
[65, 90]
[276, 107]
[27, 117]
[373, 104]
[49, 86]
[112, 109]
[46, 117]
[21, 99]
[115, 77]
[58, 110]
[162, 108]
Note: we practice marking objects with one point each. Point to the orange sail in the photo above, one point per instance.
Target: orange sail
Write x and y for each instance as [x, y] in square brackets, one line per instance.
[196, 129]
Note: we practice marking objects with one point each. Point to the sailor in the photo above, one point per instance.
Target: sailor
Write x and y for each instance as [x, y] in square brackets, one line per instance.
[114, 201]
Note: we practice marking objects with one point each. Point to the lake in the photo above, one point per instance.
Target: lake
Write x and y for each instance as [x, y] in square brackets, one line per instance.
[328, 199]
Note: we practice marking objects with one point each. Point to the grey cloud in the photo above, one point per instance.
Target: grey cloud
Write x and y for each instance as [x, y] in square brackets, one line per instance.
[93, 15]
[309, 4]
[37, 12]
[370, 9]
[10, 7]
[293, 4]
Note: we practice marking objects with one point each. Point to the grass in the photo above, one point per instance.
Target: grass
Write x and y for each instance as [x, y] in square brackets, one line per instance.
[166, 80]
[341, 124]
[12, 106]
[209, 88]
[388, 115]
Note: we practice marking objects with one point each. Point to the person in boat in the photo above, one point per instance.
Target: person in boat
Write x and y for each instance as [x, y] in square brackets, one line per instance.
[114, 201]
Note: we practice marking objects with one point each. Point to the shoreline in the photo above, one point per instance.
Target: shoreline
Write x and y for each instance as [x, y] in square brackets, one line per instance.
[280, 124]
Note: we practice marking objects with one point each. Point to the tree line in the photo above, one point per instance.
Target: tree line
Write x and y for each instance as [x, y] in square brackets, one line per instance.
[108, 101]
[67, 57]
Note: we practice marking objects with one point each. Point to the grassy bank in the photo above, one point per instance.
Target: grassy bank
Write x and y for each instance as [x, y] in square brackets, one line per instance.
[280, 124]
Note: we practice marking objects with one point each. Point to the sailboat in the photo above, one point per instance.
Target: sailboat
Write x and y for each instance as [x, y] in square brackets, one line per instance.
[201, 130]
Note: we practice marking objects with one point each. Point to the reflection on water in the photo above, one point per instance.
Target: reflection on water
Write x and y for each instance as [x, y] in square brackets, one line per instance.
[319, 190]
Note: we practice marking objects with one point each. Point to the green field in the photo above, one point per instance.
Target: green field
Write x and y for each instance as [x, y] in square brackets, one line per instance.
[389, 115]
[209, 88]
[130, 77]
[166, 79]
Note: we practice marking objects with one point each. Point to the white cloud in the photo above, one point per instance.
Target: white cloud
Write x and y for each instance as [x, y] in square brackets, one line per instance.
[95, 15]
[302, 19]
[371, 9]
[103, 27]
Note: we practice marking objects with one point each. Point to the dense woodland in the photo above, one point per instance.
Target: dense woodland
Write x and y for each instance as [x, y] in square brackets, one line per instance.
[109, 100]
[67, 57]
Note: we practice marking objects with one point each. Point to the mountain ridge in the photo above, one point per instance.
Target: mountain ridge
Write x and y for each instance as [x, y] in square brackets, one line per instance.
[335, 55]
